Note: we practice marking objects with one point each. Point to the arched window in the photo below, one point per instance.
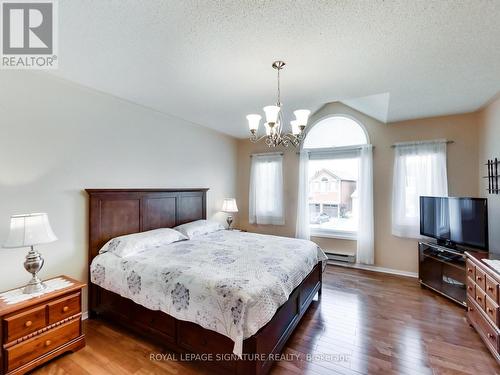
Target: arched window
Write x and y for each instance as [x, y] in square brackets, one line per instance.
[333, 145]
[335, 131]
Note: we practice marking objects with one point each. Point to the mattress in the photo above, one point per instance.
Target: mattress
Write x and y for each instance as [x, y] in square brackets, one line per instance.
[226, 281]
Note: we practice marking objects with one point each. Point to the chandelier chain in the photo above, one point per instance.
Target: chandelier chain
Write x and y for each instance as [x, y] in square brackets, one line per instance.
[279, 91]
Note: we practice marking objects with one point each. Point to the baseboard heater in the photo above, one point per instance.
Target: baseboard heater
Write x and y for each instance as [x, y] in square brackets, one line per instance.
[344, 258]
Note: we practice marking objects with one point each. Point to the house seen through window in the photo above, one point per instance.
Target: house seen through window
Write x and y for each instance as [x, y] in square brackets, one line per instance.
[333, 176]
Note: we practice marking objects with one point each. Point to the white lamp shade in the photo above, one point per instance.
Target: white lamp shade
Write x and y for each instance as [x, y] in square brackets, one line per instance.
[302, 115]
[229, 205]
[295, 127]
[253, 121]
[29, 230]
[272, 113]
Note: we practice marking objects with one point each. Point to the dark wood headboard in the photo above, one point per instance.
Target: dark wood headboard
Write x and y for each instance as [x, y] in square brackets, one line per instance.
[115, 212]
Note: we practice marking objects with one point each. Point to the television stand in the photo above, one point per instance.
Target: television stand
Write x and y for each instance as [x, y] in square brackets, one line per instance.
[443, 270]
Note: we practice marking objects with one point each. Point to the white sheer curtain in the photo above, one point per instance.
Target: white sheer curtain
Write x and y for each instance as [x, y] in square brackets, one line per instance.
[302, 229]
[365, 233]
[419, 170]
[266, 189]
[365, 238]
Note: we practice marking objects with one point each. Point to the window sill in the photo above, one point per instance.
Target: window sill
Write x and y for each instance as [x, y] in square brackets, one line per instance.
[337, 234]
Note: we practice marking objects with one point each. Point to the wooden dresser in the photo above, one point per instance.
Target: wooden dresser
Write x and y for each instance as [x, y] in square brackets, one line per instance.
[483, 311]
[36, 330]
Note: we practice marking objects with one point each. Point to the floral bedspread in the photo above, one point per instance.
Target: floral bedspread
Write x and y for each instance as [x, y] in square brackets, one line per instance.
[229, 282]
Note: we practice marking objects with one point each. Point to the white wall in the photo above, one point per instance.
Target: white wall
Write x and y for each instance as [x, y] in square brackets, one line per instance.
[57, 138]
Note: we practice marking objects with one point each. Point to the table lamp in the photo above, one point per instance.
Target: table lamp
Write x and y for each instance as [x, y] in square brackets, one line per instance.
[230, 207]
[27, 231]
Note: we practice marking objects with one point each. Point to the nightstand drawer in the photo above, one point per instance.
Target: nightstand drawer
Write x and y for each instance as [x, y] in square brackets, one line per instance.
[64, 308]
[22, 324]
[37, 346]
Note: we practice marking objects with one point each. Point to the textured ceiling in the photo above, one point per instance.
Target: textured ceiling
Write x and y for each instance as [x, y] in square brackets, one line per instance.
[209, 61]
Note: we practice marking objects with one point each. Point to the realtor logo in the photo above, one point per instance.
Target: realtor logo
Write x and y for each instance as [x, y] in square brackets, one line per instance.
[29, 34]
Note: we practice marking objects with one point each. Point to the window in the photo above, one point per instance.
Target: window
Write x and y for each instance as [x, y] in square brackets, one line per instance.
[315, 186]
[419, 170]
[324, 185]
[334, 186]
[334, 167]
[337, 131]
[266, 189]
[336, 212]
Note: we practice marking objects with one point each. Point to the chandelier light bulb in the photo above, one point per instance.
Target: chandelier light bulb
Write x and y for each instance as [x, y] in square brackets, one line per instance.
[301, 116]
[253, 122]
[272, 112]
[268, 129]
[295, 127]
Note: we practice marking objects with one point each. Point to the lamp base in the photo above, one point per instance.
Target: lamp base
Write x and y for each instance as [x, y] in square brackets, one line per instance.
[229, 222]
[33, 264]
[34, 286]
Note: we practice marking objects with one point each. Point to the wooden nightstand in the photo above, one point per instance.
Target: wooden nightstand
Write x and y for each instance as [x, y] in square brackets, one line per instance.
[38, 329]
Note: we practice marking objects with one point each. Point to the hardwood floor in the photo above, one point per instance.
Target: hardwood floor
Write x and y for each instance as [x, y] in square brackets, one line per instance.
[366, 323]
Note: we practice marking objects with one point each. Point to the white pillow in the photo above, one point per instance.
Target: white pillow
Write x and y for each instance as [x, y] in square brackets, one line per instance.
[136, 243]
[199, 227]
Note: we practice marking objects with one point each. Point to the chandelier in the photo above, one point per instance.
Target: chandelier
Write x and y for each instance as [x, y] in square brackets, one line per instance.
[274, 121]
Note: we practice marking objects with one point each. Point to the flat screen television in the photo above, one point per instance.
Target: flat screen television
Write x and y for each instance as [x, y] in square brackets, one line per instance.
[455, 221]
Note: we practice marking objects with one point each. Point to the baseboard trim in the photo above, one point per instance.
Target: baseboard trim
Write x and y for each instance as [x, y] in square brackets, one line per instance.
[375, 269]
[85, 315]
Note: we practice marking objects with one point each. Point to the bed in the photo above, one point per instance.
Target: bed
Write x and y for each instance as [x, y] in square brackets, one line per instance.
[287, 285]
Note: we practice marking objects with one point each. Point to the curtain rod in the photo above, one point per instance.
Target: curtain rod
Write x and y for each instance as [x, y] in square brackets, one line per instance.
[339, 149]
[267, 154]
[419, 142]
